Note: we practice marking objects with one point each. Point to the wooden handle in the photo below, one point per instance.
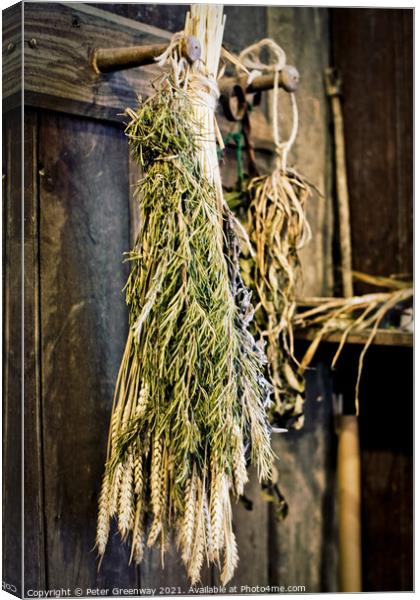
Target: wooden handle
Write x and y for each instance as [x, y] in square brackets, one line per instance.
[349, 529]
[106, 60]
[288, 80]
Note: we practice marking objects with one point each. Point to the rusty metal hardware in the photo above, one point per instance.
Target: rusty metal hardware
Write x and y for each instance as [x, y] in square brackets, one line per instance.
[233, 100]
[106, 60]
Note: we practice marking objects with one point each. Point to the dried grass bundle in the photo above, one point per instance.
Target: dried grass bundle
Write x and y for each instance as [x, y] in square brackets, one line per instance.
[190, 396]
[352, 315]
[277, 228]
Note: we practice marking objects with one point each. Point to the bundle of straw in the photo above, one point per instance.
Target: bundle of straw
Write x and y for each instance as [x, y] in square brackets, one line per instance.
[352, 315]
[277, 227]
[190, 398]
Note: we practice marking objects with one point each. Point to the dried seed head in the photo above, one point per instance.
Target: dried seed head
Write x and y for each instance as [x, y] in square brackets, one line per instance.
[240, 474]
[126, 500]
[156, 475]
[102, 531]
[198, 546]
[142, 401]
[138, 471]
[187, 527]
[115, 489]
[137, 545]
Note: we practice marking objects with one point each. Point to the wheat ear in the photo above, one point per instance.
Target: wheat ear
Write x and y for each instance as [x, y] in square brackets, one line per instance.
[216, 507]
[126, 500]
[231, 550]
[155, 474]
[187, 527]
[158, 482]
[137, 546]
[197, 551]
[102, 531]
[142, 401]
[115, 489]
[138, 472]
[240, 474]
[211, 550]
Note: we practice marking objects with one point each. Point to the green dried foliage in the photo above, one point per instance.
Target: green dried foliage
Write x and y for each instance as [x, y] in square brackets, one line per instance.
[190, 396]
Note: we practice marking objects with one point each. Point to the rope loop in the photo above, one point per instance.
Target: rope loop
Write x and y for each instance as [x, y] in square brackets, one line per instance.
[250, 58]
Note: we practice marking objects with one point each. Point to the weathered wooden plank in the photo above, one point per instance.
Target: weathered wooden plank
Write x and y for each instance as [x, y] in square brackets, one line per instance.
[12, 353]
[373, 49]
[303, 546]
[170, 578]
[251, 530]
[304, 35]
[12, 54]
[383, 337]
[34, 555]
[84, 230]
[58, 70]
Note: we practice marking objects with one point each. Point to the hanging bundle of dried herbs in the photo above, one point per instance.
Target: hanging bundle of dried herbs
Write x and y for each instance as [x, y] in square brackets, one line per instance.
[190, 398]
[277, 227]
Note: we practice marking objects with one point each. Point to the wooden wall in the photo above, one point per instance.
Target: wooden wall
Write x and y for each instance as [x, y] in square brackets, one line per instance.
[373, 50]
[12, 371]
[78, 206]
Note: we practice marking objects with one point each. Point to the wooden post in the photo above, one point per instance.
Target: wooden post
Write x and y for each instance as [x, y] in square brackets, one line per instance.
[348, 458]
[333, 87]
[350, 567]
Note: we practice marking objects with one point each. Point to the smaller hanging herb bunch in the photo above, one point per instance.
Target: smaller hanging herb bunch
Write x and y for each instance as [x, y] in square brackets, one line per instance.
[277, 228]
[190, 399]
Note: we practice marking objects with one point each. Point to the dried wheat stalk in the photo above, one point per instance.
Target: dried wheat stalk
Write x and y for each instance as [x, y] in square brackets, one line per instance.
[190, 394]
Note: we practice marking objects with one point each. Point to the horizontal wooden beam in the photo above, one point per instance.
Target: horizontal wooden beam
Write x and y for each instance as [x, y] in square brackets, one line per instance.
[384, 337]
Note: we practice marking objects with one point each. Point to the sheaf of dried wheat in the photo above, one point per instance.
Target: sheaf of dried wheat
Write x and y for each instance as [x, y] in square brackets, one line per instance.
[191, 368]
